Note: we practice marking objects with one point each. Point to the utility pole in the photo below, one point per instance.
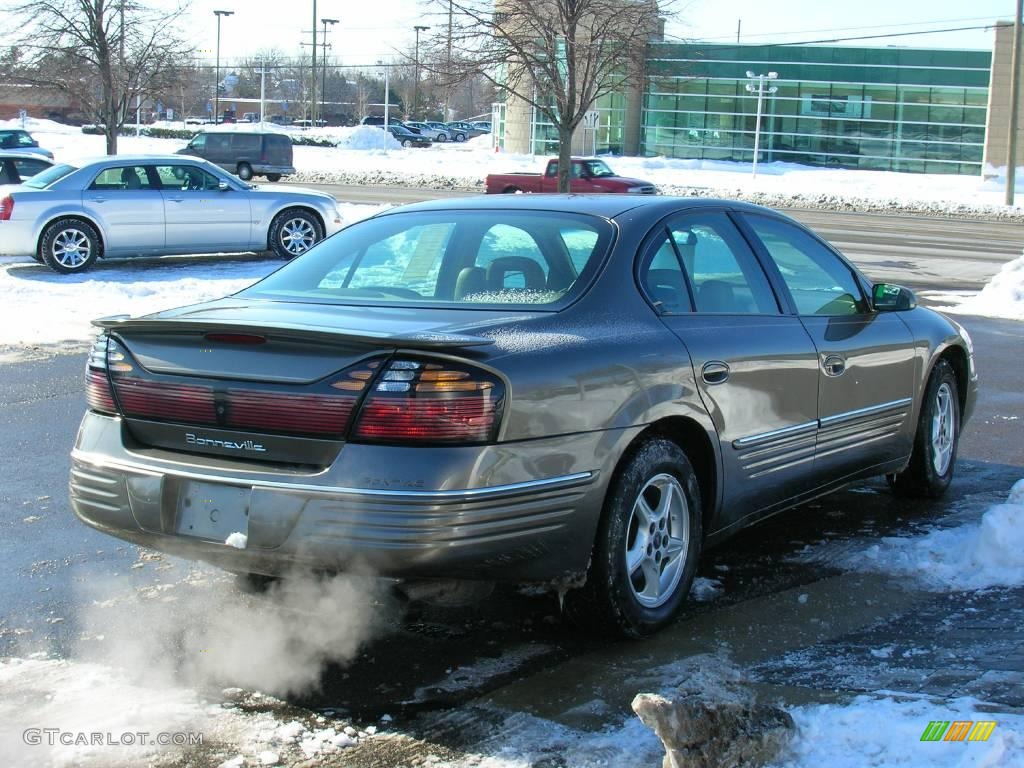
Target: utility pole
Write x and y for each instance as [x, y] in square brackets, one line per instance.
[416, 82]
[448, 67]
[739, 26]
[312, 83]
[263, 93]
[216, 77]
[323, 84]
[387, 98]
[1011, 149]
[761, 90]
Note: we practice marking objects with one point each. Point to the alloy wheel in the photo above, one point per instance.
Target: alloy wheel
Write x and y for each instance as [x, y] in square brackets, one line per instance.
[297, 236]
[71, 248]
[943, 429]
[657, 540]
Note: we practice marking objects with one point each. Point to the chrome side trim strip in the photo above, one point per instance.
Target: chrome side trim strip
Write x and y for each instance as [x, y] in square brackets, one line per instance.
[764, 437]
[869, 411]
[461, 493]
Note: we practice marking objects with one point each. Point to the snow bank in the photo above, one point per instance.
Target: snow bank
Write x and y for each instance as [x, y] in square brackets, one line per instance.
[988, 553]
[1003, 296]
[369, 137]
[41, 307]
[871, 733]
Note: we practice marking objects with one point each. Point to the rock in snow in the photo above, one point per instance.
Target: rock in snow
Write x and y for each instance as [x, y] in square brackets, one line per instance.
[702, 732]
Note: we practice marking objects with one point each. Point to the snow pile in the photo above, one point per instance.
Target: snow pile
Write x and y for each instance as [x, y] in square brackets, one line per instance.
[41, 307]
[987, 553]
[871, 733]
[369, 137]
[1003, 296]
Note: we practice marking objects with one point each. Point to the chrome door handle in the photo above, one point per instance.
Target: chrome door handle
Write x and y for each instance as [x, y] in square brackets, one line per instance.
[97, 199]
[715, 372]
[833, 365]
[176, 199]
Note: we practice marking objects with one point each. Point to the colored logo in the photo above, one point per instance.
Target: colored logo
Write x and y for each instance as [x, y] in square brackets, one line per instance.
[958, 730]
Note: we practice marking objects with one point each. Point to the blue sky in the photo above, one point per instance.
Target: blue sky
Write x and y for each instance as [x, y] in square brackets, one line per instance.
[369, 31]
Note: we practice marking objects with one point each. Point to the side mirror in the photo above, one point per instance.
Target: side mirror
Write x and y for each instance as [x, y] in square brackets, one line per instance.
[223, 186]
[892, 298]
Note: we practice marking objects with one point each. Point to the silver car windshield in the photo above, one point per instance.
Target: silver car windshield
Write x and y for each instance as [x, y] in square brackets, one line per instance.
[45, 178]
[530, 259]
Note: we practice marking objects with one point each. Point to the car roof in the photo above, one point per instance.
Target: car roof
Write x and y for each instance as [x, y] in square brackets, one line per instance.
[22, 155]
[603, 205]
[114, 160]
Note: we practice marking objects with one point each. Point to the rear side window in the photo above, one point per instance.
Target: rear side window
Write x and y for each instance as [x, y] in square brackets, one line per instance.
[246, 142]
[460, 258]
[818, 280]
[722, 273]
[44, 178]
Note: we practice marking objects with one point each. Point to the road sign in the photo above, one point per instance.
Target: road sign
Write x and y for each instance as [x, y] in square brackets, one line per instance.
[590, 119]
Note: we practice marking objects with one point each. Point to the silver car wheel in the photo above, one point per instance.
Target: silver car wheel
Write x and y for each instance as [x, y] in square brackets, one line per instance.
[297, 236]
[657, 540]
[71, 248]
[943, 429]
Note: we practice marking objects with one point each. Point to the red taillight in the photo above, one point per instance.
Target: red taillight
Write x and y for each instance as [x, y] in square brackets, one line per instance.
[432, 402]
[97, 384]
[309, 414]
[159, 400]
[6, 208]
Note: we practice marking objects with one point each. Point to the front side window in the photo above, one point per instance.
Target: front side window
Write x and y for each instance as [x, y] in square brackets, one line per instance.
[199, 142]
[819, 282]
[186, 178]
[533, 259]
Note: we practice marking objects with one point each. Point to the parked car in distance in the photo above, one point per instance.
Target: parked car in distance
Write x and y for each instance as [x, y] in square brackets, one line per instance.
[378, 120]
[407, 138]
[482, 125]
[152, 205]
[21, 141]
[578, 391]
[280, 120]
[250, 117]
[16, 167]
[428, 130]
[197, 120]
[589, 175]
[305, 123]
[465, 130]
[245, 153]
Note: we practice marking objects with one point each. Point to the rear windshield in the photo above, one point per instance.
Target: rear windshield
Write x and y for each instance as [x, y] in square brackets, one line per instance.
[46, 178]
[533, 259]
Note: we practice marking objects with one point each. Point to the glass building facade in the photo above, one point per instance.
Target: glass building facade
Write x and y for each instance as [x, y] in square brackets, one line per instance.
[899, 109]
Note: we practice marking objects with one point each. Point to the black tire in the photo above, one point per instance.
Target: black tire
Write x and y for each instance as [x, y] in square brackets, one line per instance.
[244, 171]
[59, 237]
[286, 228]
[442, 137]
[460, 137]
[38, 256]
[273, 177]
[617, 599]
[406, 143]
[933, 460]
[511, 191]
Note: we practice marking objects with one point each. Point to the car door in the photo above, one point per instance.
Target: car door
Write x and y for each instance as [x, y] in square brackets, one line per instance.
[126, 203]
[865, 358]
[755, 366]
[200, 216]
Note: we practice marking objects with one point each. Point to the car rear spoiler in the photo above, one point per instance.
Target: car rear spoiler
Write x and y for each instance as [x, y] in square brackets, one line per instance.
[424, 340]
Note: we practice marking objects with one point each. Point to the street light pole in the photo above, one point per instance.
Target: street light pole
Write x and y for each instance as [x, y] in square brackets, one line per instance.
[263, 93]
[216, 77]
[312, 80]
[416, 82]
[761, 90]
[323, 84]
[1011, 154]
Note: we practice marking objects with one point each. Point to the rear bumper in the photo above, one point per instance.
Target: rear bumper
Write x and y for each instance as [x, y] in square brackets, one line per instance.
[515, 528]
[260, 169]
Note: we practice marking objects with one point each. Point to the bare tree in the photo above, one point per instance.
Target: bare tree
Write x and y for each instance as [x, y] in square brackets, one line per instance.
[559, 56]
[106, 53]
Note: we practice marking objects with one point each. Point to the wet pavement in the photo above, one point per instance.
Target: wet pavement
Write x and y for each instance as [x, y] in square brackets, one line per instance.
[450, 679]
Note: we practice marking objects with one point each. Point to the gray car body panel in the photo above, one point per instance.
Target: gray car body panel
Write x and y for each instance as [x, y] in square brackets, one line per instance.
[134, 222]
[584, 383]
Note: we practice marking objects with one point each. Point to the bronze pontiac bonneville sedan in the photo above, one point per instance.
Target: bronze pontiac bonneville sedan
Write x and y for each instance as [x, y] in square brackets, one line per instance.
[583, 391]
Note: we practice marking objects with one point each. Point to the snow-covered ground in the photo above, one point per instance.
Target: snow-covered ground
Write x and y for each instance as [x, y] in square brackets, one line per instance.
[1003, 296]
[985, 552]
[359, 156]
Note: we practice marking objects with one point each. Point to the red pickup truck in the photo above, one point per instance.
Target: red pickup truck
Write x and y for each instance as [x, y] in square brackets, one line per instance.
[588, 175]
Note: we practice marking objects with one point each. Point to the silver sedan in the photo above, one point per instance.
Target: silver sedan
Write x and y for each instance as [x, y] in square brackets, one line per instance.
[66, 217]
